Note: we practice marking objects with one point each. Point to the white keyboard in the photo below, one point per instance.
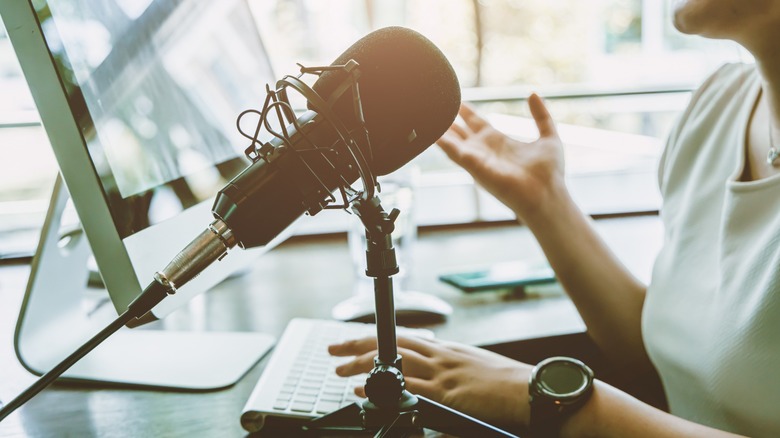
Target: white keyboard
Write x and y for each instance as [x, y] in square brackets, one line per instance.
[300, 381]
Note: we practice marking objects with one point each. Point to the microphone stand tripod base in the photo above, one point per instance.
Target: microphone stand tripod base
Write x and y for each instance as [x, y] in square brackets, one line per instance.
[411, 415]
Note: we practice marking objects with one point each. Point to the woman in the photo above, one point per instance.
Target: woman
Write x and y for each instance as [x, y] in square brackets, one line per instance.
[710, 319]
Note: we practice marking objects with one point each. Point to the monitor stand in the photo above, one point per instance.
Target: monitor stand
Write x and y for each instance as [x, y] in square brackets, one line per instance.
[53, 322]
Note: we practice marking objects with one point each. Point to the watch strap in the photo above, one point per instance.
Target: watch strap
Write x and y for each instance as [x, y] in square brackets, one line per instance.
[545, 419]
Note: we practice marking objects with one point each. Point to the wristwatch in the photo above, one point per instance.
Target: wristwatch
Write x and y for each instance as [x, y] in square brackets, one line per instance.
[557, 388]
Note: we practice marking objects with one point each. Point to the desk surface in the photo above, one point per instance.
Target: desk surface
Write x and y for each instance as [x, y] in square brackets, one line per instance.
[252, 302]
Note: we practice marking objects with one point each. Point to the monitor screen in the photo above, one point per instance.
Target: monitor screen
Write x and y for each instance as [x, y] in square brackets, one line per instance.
[139, 99]
[155, 87]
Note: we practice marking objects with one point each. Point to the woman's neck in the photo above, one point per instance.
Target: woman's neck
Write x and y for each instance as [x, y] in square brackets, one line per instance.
[767, 56]
[770, 84]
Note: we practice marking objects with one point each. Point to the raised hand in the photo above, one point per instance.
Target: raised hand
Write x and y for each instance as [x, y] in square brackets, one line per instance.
[477, 382]
[519, 174]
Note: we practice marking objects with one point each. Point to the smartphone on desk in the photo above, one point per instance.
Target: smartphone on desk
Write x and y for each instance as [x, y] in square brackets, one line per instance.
[504, 275]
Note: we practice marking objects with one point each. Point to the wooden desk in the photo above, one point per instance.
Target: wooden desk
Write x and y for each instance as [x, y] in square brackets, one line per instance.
[304, 277]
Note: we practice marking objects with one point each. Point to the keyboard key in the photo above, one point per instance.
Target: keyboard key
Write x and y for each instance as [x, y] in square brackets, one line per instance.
[302, 407]
[308, 383]
[335, 381]
[325, 407]
[319, 369]
[308, 391]
[335, 398]
[332, 396]
[302, 398]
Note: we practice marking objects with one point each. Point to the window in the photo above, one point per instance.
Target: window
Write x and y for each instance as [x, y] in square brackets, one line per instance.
[615, 74]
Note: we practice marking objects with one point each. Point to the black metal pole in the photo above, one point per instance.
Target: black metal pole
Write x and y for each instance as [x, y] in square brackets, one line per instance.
[385, 321]
[381, 264]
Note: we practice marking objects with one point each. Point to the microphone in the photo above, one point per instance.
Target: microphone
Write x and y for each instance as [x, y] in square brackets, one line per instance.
[406, 95]
[382, 102]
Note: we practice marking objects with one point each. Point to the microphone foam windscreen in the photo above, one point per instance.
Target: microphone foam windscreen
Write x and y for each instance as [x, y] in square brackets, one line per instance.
[406, 86]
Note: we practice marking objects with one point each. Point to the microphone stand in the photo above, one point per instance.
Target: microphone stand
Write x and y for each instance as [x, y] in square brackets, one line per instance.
[391, 410]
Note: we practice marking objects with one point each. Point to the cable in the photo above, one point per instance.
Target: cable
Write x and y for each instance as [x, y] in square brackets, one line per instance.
[151, 296]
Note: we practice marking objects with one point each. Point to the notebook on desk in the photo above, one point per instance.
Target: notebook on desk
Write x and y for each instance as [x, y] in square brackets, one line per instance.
[300, 382]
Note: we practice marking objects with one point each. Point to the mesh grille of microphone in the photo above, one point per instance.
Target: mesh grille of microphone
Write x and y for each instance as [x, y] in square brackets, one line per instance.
[406, 84]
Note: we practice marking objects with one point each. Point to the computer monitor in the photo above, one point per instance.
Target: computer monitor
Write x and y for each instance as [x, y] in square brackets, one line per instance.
[139, 99]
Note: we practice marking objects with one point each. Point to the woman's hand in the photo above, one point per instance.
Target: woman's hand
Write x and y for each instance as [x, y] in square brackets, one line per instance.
[519, 174]
[477, 382]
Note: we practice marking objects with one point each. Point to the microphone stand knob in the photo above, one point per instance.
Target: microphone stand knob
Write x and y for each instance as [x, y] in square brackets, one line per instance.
[385, 385]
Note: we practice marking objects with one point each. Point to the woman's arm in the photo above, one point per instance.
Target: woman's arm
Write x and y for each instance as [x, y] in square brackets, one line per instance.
[529, 179]
[610, 413]
[607, 296]
[494, 388]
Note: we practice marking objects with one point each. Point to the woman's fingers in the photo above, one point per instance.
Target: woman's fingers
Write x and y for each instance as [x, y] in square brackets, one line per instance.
[542, 117]
[414, 364]
[419, 345]
[424, 387]
[461, 132]
[353, 347]
[450, 143]
[356, 347]
[473, 120]
[417, 386]
[466, 156]
[359, 365]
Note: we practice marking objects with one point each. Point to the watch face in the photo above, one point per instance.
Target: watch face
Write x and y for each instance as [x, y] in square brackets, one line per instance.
[562, 379]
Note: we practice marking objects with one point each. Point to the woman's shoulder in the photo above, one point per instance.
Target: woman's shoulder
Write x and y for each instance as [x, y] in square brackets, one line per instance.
[733, 71]
[727, 86]
[715, 107]
[725, 81]
[720, 96]
[718, 90]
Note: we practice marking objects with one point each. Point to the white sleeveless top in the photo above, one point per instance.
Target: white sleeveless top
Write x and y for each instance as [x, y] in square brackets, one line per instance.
[711, 319]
